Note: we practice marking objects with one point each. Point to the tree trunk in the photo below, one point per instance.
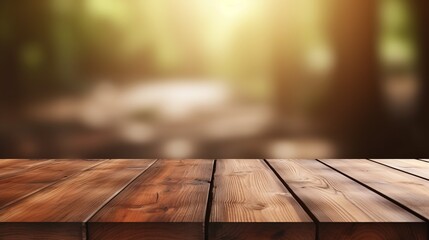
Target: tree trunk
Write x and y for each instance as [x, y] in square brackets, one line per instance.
[421, 10]
[354, 110]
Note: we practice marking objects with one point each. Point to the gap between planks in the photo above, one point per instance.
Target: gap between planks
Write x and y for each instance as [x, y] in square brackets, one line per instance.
[245, 187]
[413, 167]
[171, 196]
[68, 221]
[298, 199]
[340, 204]
[391, 198]
[85, 233]
[37, 190]
[209, 202]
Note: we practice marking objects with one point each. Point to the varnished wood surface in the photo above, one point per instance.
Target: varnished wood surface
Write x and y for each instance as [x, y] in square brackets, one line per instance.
[19, 163]
[408, 190]
[10, 167]
[66, 204]
[342, 200]
[29, 177]
[246, 191]
[213, 199]
[412, 166]
[13, 163]
[169, 201]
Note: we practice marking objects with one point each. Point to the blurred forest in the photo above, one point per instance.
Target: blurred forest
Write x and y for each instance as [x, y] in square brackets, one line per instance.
[224, 78]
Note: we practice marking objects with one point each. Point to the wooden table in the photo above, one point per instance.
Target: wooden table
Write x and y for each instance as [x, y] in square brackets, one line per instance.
[214, 199]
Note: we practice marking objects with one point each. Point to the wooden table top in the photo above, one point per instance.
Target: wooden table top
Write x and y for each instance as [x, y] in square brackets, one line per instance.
[214, 199]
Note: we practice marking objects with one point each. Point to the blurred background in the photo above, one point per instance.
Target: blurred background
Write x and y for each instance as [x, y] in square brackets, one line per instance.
[214, 78]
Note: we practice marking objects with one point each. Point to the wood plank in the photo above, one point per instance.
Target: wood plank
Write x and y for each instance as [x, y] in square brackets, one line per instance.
[166, 202]
[246, 196]
[10, 167]
[408, 190]
[59, 211]
[12, 162]
[412, 166]
[17, 185]
[334, 198]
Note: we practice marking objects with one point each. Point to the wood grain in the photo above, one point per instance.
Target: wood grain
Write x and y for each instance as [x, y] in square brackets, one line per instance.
[413, 166]
[246, 196]
[9, 167]
[59, 211]
[18, 163]
[334, 198]
[408, 190]
[10, 162]
[166, 202]
[16, 185]
[379, 231]
[169, 199]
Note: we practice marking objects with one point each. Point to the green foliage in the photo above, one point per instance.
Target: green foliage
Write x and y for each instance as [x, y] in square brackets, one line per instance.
[397, 34]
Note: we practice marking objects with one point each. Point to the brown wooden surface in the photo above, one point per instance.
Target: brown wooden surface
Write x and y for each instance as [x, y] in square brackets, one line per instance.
[64, 206]
[246, 199]
[18, 163]
[360, 211]
[246, 196]
[408, 190]
[17, 184]
[371, 231]
[167, 202]
[412, 166]
[10, 167]
[11, 162]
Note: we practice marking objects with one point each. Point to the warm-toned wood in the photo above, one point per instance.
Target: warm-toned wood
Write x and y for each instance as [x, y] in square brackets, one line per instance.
[59, 211]
[16, 185]
[379, 231]
[7, 162]
[15, 163]
[261, 230]
[40, 230]
[10, 167]
[413, 166]
[408, 190]
[166, 202]
[246, 196]
[334, 198]
[54, 199]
